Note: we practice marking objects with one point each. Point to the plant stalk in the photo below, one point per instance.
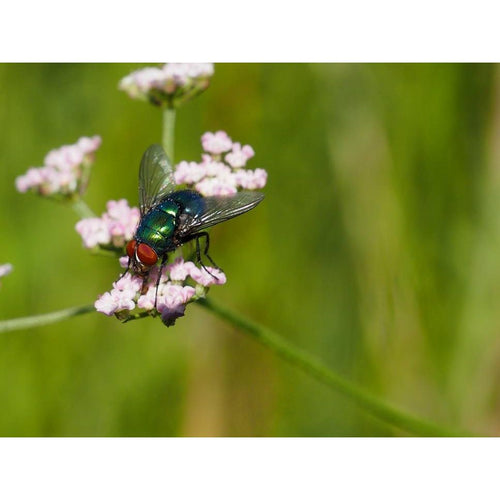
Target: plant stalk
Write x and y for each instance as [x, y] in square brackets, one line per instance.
[9, 325]
[168, 133]
[316, 369]
[82, 209]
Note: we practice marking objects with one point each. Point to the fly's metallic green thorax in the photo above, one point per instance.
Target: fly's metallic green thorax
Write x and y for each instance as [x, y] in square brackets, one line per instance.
[157, 227]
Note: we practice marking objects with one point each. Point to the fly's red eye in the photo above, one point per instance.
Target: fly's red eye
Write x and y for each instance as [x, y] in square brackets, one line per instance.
[146, 254]
[131, 248]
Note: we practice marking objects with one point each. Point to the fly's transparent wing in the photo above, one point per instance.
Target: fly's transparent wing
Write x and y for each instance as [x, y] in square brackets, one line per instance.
[219, 209]
[155, 177]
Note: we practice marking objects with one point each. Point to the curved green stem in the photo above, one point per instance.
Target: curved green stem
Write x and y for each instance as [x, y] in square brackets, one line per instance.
[168, 132]
[82, 209]
[290, 353]
[9, 325]
[316, 369]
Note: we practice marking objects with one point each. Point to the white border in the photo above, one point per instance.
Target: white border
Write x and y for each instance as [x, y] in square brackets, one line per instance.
[258, 31]
[249, 468]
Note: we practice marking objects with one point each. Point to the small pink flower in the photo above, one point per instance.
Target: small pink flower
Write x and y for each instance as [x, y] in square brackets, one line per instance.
[30, 179]
[216, 143]
[259, 178]
[89, 145]
[68, 181]
[123, 261]
[179, 270]
[216, 169]
[172, 301]
[106, 303]
[117, 231]
[128, 85]
[217, 186]
[119, 210]
[239, 156]
[182, 72]
[201, 276]
[51, 181]
[124, 292]
[176, 72]
[94, 231]
[147, 301]
[128, 284]
[170, 314]
[149, 78]
[189, 172]
[251, 179]
[22, 183]
[121, 297]
[65, 158]
[123, 300]
[169, 296]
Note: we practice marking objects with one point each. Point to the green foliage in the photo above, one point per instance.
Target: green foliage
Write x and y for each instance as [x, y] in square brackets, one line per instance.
[376, 249]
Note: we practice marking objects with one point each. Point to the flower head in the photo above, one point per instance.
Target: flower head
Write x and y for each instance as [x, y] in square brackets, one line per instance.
[113, 229]
[171, 85]
[121, 297]
[215, 175]
[65, 171]
[180, 283]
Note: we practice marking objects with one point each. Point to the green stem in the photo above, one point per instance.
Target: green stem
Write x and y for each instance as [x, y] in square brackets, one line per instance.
[82, 209]
[316, 369]
[168, 132]
[43, 319]
[293, 355]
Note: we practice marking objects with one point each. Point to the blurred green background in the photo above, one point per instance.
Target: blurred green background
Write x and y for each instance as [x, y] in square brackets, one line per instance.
[376, 249]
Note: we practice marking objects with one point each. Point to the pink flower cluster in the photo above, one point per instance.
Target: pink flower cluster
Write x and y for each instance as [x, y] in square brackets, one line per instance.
[221, 172]
[114, 229]
[65, 170]
[180, 283]
[172, 84]
[5, 269]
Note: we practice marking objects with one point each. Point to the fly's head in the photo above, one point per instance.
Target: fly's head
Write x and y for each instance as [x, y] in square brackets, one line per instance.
[142, 257]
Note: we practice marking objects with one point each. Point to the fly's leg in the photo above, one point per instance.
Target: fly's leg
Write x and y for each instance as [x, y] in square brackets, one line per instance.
[126, 270]
[205, 250]
[197, 237]
[162, 265]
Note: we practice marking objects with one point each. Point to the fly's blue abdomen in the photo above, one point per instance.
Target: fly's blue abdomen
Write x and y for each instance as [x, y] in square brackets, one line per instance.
[191, 201]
